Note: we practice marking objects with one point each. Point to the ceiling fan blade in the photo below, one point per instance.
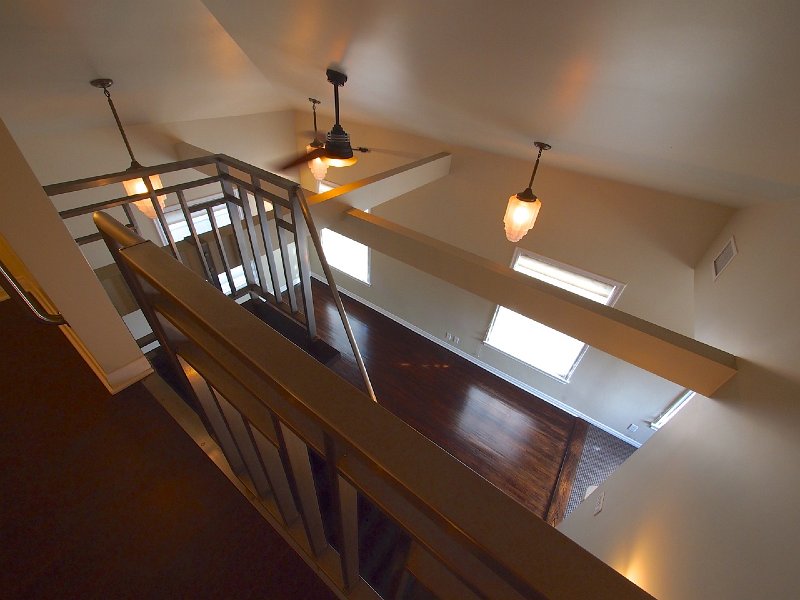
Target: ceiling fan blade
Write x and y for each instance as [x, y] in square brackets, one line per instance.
[303, 158]
[400, 153]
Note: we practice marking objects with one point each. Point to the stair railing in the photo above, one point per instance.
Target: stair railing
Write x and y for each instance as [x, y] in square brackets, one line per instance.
[18, 294]
[267, 238]
[271, 407]
[337, 299]
[260, 252]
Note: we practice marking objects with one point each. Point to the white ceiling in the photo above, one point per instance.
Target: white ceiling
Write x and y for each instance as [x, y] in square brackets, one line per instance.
[696, 97]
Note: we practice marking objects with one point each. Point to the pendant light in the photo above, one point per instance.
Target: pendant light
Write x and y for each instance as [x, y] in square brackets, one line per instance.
[133, 186]
[318, 168]
[523, 208]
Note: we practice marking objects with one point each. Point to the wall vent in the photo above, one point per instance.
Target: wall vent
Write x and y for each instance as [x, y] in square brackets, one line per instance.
[725, 257]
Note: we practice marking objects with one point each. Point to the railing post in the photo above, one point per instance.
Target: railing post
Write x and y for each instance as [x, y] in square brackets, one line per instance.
[266, 237]
[303, 262]
[223, 254]
[326, 269]
[245, 254]
[162, 221]
[251, 235]
[196, 238]
[345, 510]
[283, 229]
[214, 416]
[294, 454]
[278, 480]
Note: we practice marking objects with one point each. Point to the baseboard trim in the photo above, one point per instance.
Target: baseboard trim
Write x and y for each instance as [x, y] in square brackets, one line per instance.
[118, 379]
[125, 376]
[485, 366]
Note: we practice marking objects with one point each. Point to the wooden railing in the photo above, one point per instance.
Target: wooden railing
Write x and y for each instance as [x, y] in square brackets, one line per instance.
[273, 408]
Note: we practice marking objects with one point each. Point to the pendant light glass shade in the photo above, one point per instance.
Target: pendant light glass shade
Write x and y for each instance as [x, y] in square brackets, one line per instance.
[137, 186]
[318, 167]
[520, 217]
[523, 208]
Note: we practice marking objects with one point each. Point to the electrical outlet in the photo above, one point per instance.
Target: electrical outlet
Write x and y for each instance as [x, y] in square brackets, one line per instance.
[448, 336]
[633, 427]
[456, 340]
[598, 502]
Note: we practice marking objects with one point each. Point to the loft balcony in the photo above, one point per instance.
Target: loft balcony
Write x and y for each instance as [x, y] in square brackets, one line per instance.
[309, 443]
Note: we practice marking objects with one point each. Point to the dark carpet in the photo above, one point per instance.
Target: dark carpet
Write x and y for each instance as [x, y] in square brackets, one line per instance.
[106, 497]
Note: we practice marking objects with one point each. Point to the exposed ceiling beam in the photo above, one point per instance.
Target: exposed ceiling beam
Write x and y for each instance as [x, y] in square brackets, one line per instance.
[369, 192]
[670, 355]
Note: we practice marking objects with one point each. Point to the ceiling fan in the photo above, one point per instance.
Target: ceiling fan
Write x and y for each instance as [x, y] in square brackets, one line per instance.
[336, 151]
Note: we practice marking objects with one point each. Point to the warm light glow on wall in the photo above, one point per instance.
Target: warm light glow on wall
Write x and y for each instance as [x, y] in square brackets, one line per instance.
[635, 572]
[137, 186]
[520, 217]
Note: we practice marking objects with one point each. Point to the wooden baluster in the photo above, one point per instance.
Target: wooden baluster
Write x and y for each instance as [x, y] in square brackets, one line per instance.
[187, 215]
[222, 253]
[294, 455]
[266, 238]
[278, 481]
[345, 509]
[285, 237]
[240, 432]
[232, 204]
[215, 417]
[251, 235]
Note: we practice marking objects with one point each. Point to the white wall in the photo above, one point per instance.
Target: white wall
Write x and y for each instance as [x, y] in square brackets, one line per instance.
[717, 518]
[647, 239]
[38, 238]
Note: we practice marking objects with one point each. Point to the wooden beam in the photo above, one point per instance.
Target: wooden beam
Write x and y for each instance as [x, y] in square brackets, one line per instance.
[329, 207]
[668, 354]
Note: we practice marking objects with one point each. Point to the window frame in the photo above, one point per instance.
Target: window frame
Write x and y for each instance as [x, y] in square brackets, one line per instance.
[613, 297]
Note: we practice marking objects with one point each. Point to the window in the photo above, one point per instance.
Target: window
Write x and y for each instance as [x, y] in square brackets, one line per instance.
[671, 410]
[535, 344]
[202, 224]
[344, 254]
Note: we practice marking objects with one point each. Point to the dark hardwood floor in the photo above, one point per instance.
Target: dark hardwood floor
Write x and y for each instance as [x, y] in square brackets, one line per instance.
[107, 497]
[514, 440]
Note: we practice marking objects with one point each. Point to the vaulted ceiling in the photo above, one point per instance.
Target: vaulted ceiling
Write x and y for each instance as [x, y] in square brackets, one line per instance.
[699, 98]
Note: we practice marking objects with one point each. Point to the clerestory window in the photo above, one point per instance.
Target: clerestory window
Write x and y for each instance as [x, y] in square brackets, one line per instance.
[538, 345]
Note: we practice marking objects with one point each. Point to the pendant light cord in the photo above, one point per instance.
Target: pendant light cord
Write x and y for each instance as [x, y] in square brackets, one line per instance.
[134, 163]
[314, 109]
[535, 167]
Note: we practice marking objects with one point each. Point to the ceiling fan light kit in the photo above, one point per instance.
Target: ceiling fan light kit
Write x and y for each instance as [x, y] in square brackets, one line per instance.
[523, 207]
[132, 186]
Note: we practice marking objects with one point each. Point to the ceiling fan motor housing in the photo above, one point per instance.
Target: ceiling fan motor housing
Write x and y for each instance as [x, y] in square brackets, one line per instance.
[338, 142]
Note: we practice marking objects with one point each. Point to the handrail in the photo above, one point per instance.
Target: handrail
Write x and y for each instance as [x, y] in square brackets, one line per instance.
[254, 235]
[227, 181]
[477, 531]
[334, 291]
[19, 295]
